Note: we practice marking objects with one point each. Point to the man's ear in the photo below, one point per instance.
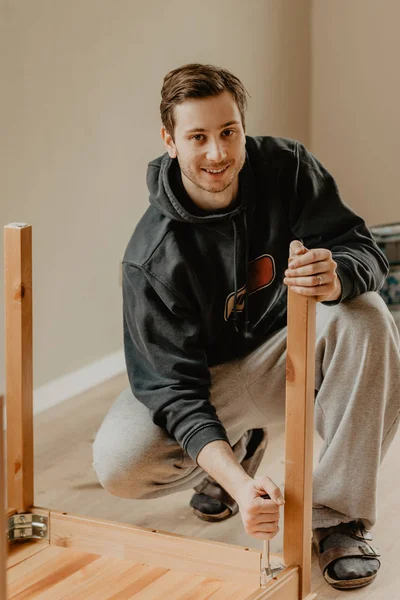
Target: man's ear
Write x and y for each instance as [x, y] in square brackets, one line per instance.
[169, 142]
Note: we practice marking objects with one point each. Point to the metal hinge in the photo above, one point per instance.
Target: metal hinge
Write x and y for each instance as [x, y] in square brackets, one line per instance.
[27, 526]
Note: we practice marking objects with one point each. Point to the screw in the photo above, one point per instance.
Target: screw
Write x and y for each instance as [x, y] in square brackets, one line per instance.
[23, 534]
[41, 520]
[41, 533]
[22, 518]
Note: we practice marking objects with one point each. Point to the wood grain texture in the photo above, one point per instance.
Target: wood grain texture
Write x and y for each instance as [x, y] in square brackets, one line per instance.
[20, 551]
[38, 574]
[64, 573]
[300, 378]
[19, 376]
[212, 559]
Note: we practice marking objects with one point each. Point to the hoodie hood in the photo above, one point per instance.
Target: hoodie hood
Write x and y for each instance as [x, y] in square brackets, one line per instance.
[162, 175]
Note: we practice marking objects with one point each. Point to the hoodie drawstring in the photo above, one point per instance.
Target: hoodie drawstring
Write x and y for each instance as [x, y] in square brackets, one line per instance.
[246, 303]
[235, 275]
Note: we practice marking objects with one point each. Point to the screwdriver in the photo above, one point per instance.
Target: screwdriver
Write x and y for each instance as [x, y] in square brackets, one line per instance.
[266, 560]
[267, 571]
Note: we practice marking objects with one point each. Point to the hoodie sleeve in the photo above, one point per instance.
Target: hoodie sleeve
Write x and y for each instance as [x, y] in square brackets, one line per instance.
[166, 365]
[319, 218]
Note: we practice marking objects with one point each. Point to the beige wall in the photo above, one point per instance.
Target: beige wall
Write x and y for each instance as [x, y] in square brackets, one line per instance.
[80, 116]
[355, 101]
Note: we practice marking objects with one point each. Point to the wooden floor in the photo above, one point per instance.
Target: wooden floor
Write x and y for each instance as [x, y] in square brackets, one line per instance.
[54, 573]
[66, 481]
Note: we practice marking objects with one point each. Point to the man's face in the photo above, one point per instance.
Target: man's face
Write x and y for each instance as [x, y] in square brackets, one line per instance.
[208, 136]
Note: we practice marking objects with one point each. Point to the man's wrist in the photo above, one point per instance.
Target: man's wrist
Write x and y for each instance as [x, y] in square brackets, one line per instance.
[219, 461]
[336, 293]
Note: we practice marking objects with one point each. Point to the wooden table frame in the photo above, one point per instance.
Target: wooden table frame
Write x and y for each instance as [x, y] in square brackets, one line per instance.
[225, 561]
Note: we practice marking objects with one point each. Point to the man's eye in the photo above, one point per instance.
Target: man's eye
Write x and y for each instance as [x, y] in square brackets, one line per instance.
[229, 132]
[196, 137]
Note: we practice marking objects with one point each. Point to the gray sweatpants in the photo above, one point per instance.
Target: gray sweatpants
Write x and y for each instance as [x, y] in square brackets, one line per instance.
[356, 413]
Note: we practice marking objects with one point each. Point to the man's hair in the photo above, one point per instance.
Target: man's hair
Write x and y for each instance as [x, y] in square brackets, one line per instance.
[198, 81]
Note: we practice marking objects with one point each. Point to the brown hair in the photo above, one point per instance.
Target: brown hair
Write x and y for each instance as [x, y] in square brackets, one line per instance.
[198, 81]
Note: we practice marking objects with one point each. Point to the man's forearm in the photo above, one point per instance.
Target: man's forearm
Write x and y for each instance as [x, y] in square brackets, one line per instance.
[219, 461]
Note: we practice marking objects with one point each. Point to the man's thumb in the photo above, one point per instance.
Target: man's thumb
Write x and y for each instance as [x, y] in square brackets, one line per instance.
[296, 248]
[274, 493]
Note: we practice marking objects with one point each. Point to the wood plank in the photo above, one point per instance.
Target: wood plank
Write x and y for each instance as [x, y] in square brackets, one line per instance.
[228, 591]
[34, 562]
[109, 583]
[300, 383]
[22, 550]
[43, 571]
[168, 585]
[63, 574]
[207, 589]
[284, 587]
[3, 539]
[91, 577]
[175, 587]
[19, 375]
[211, 559]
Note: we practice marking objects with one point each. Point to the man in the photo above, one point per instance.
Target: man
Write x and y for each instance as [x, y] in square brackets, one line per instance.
[204, 288]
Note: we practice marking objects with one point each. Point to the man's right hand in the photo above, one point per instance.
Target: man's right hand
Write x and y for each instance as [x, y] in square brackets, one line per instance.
[260, 516]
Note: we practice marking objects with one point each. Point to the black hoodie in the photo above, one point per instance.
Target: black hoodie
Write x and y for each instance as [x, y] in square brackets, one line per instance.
[202, 288]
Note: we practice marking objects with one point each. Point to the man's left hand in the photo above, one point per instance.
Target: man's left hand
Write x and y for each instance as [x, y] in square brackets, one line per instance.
[312, 273]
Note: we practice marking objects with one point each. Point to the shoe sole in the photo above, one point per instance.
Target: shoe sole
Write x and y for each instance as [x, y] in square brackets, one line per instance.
[213, 518]
[349, 584]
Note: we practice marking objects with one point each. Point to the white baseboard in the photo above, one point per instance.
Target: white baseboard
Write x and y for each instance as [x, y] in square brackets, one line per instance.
[56, 391]
[79, 381]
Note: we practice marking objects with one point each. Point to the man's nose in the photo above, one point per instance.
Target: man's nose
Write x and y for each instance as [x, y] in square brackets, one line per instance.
[216, 152]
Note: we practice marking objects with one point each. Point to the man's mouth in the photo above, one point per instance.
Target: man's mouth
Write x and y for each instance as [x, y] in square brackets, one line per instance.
[216, 172]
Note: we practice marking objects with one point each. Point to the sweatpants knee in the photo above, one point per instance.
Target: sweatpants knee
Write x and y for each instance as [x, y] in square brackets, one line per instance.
[371, 303]
[131, 455]
[140, 479]
[368, 312]
[117, 478]
[134, 465]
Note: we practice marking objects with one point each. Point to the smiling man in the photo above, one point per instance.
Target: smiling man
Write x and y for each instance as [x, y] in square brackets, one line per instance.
[233, 221]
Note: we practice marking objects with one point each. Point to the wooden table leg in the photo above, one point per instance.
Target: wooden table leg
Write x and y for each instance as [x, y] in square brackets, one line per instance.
[19, 376]
[300, 383]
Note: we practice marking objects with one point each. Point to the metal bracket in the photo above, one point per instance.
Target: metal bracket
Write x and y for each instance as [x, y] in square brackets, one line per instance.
[269, 573]
[27, 526]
